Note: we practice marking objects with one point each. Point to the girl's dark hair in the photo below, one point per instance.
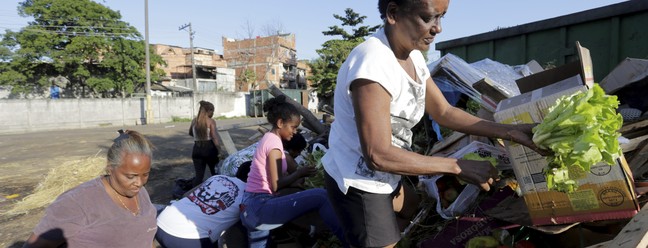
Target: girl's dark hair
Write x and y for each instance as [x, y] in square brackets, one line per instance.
[406, 5]
[279, 108]
[202, 119]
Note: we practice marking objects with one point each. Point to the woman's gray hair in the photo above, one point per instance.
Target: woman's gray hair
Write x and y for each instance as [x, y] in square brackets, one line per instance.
[128, 142]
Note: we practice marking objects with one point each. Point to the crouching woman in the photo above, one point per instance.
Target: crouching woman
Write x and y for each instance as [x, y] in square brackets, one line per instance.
[113, 210]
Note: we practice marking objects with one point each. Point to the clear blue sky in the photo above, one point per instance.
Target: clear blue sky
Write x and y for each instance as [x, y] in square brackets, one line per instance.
[212, 19]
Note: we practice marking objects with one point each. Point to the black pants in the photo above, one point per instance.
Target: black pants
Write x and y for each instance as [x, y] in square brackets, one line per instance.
[205, 154]
[368, 219]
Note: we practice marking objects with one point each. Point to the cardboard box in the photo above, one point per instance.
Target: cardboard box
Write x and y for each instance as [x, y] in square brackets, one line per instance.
[582, 67]
[629, 71]
[629, 82]
[605, 192]
[488, 88]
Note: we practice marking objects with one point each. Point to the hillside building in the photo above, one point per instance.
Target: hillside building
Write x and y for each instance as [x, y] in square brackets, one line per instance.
[265, 59]
[212, 72]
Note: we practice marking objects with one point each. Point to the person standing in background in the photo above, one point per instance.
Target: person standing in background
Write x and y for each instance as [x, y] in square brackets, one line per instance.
[205, 149]
[55, 91]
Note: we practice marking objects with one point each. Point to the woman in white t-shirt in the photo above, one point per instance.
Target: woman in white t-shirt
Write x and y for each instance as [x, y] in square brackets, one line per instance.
[198, 219]
[382, 91]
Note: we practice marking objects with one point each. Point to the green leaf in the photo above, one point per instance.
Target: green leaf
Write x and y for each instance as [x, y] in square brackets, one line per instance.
[581, 130]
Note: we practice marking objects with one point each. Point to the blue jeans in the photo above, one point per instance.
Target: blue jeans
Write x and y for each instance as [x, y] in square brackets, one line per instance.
[264, 212]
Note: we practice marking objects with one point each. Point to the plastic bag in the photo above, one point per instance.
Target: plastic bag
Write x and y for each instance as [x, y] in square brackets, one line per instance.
[459, 206]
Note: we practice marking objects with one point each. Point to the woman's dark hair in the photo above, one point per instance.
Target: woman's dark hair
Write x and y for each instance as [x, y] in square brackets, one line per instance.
[279, 108]
[406, 6]
[202, 119]
[297, 143]
[243, 171]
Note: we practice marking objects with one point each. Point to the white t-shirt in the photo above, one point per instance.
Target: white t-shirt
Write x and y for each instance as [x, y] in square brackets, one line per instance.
[375, 61]
[206, 212]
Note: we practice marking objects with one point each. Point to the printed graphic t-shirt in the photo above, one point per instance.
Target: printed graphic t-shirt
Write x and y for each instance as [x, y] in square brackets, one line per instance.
[375, 61]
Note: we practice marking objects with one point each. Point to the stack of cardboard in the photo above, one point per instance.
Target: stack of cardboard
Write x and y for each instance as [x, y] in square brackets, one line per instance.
[454, 71]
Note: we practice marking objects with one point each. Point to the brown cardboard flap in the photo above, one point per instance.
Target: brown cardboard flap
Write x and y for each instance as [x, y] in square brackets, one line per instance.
[587, 70]
[629, 71]
[582, 67]
[548, 77]
[485, 87]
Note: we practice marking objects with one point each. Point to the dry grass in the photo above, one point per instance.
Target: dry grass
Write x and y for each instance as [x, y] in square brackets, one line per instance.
[59, 179]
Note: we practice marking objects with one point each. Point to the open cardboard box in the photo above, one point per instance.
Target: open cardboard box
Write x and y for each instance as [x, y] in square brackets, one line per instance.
[582, 67]
[629, 82]
[605, 192]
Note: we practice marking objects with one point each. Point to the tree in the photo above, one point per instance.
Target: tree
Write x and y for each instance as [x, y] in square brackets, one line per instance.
[352, 19]
[335, 51]
[248, 78]
[81, 40]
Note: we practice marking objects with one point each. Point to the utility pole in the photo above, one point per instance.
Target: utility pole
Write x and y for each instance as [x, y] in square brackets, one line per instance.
[193, 64]
[149, 111]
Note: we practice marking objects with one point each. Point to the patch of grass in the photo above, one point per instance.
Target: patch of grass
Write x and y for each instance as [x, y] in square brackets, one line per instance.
[180, 119]
[105, 124]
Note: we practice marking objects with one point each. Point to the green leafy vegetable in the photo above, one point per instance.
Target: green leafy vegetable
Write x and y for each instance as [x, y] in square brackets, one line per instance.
[315, 158]
[581, 130]
[477, 157]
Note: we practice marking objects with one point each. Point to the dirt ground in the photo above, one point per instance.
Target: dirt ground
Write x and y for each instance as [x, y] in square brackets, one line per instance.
[26, 158]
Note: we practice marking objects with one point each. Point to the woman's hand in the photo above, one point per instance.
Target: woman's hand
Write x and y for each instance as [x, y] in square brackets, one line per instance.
[523, 135]
[480, 173]
[299, 183]
[306, 171]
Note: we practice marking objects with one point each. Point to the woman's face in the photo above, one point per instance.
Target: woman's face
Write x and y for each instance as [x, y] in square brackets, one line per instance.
[131, 175]
[417, 28]
[287, 128]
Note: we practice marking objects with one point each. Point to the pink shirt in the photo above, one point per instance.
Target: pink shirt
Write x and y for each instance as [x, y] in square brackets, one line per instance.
[258, 177]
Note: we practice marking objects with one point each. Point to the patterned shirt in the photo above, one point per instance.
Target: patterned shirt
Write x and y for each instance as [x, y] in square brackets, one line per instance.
[373, 60]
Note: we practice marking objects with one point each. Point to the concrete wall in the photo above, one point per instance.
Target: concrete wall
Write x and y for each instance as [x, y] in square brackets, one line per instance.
[27, 115]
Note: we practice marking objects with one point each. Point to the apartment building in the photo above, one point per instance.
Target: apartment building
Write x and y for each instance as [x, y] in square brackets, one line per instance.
[212, 72]
[270, 59]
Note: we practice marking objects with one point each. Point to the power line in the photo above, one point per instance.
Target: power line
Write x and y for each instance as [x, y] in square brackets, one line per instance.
[62, 19]
[89, 34]
[73, 26]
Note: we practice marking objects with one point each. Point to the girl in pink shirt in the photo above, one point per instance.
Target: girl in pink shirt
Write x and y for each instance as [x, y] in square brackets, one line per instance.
[262, 210]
